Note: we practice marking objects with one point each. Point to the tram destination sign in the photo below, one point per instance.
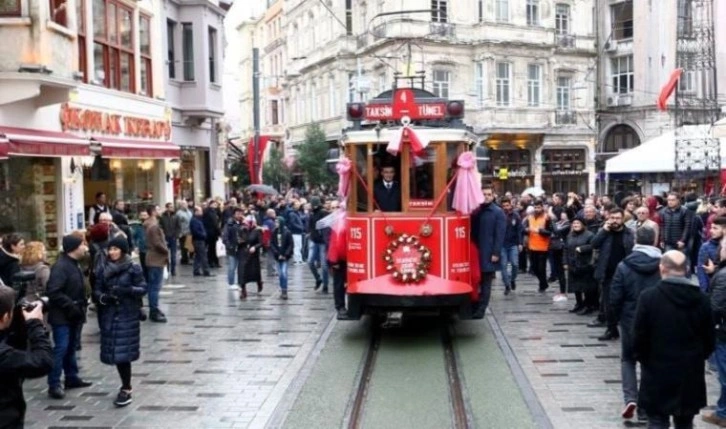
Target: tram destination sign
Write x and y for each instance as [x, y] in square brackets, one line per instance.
[386, 112]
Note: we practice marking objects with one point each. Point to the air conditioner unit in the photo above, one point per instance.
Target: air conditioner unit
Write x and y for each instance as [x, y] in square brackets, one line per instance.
[612, 101]
[610, 46]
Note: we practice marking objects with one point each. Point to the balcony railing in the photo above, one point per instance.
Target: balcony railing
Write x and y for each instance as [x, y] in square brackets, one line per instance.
[442, 29]
[565, 40]
[565, 117]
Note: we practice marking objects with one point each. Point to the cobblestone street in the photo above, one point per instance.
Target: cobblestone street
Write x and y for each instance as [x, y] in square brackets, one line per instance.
[222, 363]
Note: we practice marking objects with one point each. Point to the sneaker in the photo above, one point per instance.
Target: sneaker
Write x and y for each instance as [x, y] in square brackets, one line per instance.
[342, 314]
[157, 316]
[514, 285]
[123, 398]
[232, 287]
[560, 297]
[714, 419]
[629, 410]
[507, 289]
[318, 283]
[283, 295]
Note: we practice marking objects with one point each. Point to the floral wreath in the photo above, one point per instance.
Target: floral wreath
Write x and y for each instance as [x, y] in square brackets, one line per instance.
[408, 243]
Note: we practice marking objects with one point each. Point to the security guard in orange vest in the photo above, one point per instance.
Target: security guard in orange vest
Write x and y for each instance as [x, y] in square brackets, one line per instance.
[538, 228]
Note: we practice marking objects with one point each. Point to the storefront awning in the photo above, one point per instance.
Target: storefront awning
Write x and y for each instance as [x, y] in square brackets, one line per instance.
[137, 149]
[4, 148]
[32, 142]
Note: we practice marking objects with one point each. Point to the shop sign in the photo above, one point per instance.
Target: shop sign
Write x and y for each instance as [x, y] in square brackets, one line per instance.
[503, 174]
[73, 207]
[96, 121]
[566, 173]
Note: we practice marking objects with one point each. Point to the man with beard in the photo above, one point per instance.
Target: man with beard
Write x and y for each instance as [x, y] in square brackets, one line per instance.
[538, 227]
[488, 225]
[638, 272]
[614, 242]
[708, 254]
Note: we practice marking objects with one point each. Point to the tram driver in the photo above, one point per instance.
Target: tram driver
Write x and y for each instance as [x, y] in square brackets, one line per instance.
[387, 191]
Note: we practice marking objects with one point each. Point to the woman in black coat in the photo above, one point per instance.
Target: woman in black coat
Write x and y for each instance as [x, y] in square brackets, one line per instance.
[578, 260]
[248, 254]
[12, 247]
[119, 286]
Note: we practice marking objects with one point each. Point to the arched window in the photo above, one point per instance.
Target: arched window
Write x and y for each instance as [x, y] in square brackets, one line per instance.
[620, 137]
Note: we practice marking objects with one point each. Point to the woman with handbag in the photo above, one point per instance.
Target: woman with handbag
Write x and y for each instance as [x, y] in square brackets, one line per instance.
[119, 286]
[580, 270]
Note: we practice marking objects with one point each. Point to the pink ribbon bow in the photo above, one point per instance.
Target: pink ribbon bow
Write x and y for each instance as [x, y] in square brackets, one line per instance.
[343, 168]
[418, 143]
[467, 193]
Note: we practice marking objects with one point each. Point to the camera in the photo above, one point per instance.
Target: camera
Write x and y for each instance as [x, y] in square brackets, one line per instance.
[17, 335]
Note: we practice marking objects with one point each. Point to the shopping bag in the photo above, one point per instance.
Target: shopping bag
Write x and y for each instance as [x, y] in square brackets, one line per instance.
[166, 273]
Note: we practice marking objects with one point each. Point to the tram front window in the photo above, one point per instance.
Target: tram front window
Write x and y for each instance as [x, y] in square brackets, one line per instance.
[422, 176]
[387, 190]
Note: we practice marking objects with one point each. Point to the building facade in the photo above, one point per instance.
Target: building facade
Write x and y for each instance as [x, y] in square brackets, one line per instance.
[82, 112]
[194, 45]
[525, 69]
[634, 64]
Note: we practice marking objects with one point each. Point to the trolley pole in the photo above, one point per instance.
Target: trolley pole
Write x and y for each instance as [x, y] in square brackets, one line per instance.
[255, 114]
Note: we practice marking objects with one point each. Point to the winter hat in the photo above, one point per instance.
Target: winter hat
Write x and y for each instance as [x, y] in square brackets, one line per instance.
[71, 243]
[120, 243]
[99, 232]
[580, 219]
[315, 202]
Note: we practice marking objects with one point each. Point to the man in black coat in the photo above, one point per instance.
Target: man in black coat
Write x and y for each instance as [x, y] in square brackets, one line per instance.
[638, 272]
[673, 335]
[387, 192]
[613, 242]
[66, 315]
[17, 365]
[212, 227]
[676, 224]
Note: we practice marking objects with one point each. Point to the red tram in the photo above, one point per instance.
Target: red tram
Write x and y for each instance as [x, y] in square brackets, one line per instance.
[409, 174]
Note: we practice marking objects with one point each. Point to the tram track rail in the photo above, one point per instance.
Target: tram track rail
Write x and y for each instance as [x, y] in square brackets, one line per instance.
[461, 416]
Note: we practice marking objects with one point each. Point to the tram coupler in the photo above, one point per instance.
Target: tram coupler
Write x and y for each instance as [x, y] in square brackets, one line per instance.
[394, 319]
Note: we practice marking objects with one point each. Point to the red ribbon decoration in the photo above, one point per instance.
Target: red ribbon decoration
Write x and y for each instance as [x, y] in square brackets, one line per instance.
[418, 143]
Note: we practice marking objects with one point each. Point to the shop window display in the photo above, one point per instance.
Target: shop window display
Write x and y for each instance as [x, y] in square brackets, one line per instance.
[35, 217]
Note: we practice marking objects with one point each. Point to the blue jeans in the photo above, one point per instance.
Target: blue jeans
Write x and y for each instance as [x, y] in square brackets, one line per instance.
[720, 358]
[282, 272]
[318, 253]
[232, 263]
[509, 255]
[64, 354]
[172, 243]
[156, 278]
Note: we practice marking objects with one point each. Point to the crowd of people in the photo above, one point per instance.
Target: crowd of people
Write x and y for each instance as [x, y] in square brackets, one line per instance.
[652, 269]
[638, 264]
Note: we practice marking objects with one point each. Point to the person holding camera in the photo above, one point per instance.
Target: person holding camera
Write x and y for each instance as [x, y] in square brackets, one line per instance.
[16, 365]
[119, 287]
[67, 313]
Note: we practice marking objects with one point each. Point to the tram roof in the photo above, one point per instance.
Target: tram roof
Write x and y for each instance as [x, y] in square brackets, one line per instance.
[383, 135]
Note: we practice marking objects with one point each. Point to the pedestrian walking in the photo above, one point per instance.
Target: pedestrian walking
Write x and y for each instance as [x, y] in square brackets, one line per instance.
[488, 225]
[248, 253]
[185, 216]
[66, 315]
[337, 261]
[268, 226]
[538, 228]
[171, 226]
[673, 335]
[157, 257]
[117, 294]
[718, 306]
[211, 221]
[229, 239]
[139, 237]
[318, 254]
[636, 273]
[511, 246]
[579, 268]
[281, 249]
[297, 229]
[614, 242]
[199, 240]
[561, 229]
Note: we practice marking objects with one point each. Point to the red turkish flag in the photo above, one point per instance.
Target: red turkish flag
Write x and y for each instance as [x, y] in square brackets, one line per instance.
[668, 89]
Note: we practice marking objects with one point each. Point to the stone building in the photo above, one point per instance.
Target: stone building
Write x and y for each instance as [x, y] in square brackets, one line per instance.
[82, 112]
[526, 70]
[635, 62]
